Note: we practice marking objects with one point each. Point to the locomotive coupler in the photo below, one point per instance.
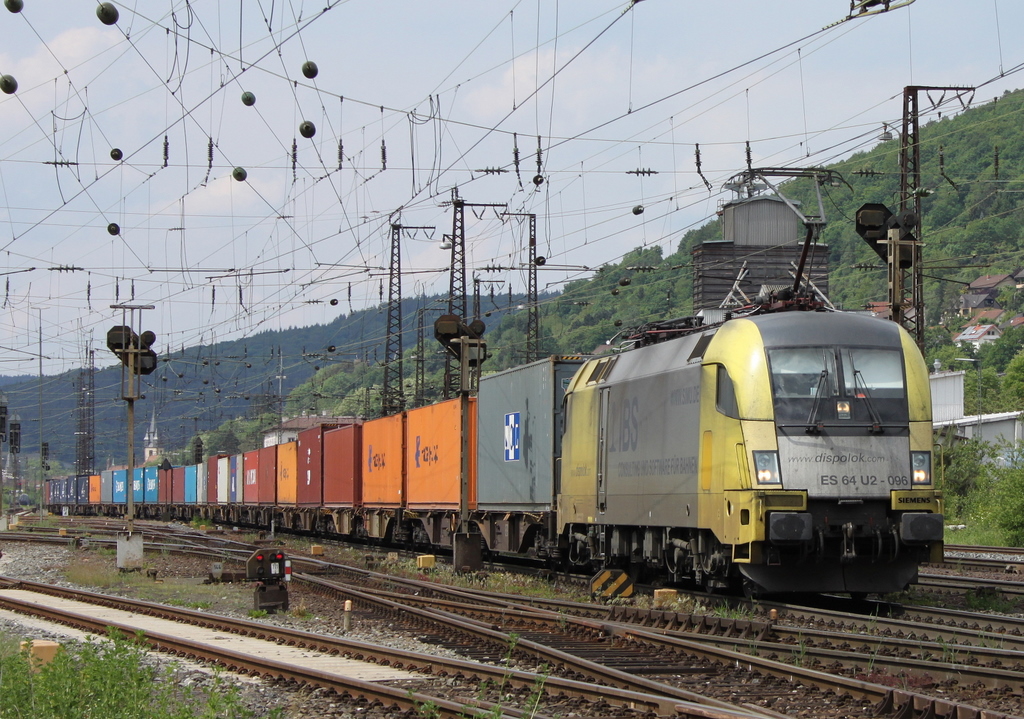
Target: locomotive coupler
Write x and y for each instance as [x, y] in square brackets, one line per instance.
[849, 550]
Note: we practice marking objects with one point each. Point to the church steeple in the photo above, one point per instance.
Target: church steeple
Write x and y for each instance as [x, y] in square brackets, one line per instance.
[151, 441]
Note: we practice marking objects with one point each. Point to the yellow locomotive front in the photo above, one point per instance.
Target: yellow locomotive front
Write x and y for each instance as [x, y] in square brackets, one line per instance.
[835, 415]
[787, 452]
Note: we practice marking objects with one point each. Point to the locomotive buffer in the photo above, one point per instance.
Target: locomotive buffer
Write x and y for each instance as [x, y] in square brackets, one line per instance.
[271, 572]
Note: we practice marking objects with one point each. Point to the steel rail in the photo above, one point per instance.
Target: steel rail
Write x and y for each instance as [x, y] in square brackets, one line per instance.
[267, 668]
[882, 696]
[480, 631]
[385, 656]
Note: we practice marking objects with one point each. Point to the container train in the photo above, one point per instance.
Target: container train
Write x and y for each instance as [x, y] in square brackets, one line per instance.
[778, 452]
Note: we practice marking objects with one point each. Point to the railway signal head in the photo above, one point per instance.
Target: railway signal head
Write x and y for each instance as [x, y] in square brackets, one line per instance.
[14, 438]
[873, 222]
[125, 344]
[450, 331]
[265, 565]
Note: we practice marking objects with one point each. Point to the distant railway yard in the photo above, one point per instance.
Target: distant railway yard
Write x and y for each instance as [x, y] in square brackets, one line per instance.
[428, 642]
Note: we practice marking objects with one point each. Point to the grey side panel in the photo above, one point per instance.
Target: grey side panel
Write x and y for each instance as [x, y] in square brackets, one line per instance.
[106, 487]
[845, 467]
[519, 426]
[652, 441]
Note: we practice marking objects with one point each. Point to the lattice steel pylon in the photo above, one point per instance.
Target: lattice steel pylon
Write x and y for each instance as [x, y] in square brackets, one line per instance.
[392, 397]
[457, 284]
[85, 418]
[419, 389]
[532, 306]
[910, 211]
[393, 393]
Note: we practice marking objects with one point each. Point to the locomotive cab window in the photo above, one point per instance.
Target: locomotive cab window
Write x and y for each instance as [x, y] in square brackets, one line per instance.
[877, 372]
[725, 394]
[838, 385]
[800, 372]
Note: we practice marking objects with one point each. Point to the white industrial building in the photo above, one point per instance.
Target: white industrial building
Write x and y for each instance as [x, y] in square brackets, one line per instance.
[948, 413]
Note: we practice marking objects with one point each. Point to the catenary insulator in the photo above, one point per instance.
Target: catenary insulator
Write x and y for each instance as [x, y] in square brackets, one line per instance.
[107, 13]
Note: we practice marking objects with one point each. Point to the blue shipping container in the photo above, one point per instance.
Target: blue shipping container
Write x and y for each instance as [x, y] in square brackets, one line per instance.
[138, 484]
[83, 490]
[152, 480]
[235, 469]
[190, 483]
[120, 486]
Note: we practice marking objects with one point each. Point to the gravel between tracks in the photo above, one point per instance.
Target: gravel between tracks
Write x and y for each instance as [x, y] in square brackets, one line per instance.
[46, 563]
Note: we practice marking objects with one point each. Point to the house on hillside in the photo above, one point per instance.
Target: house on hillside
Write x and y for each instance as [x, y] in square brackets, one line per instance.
[1012, 322]
[993, 282]
[288, 430]
[988, 317]
[981, 293]
[978, 335]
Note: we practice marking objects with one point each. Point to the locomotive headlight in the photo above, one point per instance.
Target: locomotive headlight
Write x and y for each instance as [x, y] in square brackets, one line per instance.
[766, 466]
[921, 467]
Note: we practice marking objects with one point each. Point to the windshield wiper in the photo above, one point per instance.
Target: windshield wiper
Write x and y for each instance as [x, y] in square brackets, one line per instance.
[876, 421]
[813, 425]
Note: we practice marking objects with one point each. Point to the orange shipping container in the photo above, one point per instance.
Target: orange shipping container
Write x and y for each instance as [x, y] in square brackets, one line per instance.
[383, 470]
[433, 449]
[287, 472]
[94, 489]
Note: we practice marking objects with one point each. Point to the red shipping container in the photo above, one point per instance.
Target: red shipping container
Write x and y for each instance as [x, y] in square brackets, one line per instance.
[163, 487]
[343, 475]
[211, 479]
[178, 485]
[433, 455]
[383, 461]
[250, 477]
[310, 490]
[266, 476]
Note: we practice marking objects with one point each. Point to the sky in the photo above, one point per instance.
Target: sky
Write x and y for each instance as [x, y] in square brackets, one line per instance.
[577, 112]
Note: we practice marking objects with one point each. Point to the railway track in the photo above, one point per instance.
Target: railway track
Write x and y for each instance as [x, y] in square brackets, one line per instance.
[558, 695]
[765, 663]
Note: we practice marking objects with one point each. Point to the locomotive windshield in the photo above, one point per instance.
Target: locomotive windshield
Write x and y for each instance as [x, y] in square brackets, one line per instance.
[837, 384]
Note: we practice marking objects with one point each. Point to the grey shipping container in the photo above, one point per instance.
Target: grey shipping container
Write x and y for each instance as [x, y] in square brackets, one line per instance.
[107, 487]
[519, 434]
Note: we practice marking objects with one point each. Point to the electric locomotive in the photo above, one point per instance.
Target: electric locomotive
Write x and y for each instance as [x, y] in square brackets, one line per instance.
[785, 452]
